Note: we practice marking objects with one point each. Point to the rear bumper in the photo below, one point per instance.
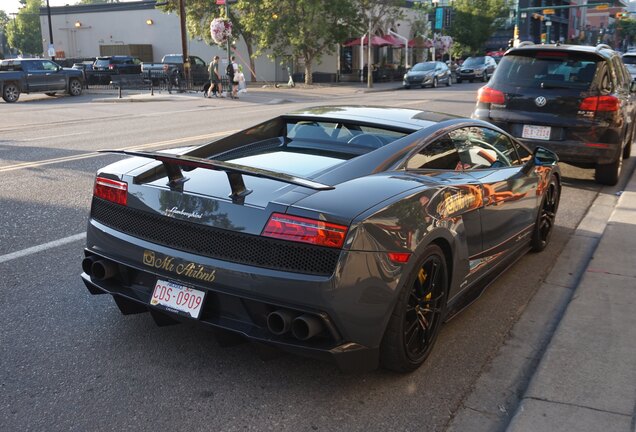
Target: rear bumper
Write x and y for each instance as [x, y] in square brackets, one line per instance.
[353, 309]
[591, 146]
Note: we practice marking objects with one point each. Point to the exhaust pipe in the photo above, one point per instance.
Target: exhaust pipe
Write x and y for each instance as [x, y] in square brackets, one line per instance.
[87, 264]
[306, 326]
[279, 322]
[103, 269]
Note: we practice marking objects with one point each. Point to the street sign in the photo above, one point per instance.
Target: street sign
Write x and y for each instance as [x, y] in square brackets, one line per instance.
[548, 11]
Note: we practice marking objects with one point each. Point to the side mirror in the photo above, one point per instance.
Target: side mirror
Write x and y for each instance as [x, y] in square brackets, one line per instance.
[544, 157]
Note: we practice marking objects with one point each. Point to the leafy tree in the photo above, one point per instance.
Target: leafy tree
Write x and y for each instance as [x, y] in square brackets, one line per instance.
[199, 14]
[306, 29]
[4, 19]
[24, 32]
[627, 28]
[474, 21]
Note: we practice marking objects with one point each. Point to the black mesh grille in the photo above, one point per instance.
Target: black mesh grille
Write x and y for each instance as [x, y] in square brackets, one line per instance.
[216, 243]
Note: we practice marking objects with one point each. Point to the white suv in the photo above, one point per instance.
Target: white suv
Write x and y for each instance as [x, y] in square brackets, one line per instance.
[629, 58]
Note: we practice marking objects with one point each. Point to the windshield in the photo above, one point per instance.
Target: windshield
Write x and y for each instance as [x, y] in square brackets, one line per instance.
[629, 59]
[423, 67]
[571, 70]
[474, 61]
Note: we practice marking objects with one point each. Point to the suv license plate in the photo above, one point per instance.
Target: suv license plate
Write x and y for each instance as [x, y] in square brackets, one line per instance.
[177, 298]
[536, 132]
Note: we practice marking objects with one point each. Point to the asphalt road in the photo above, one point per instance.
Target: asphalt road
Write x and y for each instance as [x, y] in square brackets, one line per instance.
[70, 361]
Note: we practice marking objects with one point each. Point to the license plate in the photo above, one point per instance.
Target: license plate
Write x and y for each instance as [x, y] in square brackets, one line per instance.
[177, 298]
[536, 132]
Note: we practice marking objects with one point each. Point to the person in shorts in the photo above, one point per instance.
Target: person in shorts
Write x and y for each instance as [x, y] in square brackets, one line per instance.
[216, 88]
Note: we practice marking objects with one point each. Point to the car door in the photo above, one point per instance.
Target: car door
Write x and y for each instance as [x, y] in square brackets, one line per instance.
[35, 75]
[510, 189]
[54, 78]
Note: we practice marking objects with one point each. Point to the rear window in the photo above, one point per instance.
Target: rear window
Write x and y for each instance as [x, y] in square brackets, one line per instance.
[548, 69]
[341, 134]
[102, 62]
[629, 59]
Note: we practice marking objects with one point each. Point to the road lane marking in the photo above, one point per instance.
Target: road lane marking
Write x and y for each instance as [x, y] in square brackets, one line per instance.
[24, 165]
[42, 247]
[53, 136]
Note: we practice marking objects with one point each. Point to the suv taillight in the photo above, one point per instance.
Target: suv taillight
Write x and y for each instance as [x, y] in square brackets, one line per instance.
[111, 66]
[490, 96]
[111, 190]
[600, 103]
[304, 230]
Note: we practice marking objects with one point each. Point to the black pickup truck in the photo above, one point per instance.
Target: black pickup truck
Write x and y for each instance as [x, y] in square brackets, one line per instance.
[37, 76]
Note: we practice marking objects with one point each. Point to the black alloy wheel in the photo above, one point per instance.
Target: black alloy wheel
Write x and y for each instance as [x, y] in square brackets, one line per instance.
[449, 80]
[75, 87]
[434, 85]
[418, 315]
[547, 214]
[484, 77]
[10, 92]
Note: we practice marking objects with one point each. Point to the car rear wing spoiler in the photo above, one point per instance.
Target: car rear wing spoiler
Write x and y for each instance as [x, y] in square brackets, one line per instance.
[174, 163]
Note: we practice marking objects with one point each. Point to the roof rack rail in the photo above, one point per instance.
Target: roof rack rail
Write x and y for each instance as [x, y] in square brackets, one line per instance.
[602, 47]
[525, 43]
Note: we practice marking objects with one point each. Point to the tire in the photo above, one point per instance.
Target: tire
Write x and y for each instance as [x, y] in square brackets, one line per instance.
[74, 87]
[484, 77]
[449, 81]
[418, 314]
[459, 80]
[10, 92]
[545, 219]
[50, 93]
[608, 174]
[406, 87]
[435, 83]
[472, 80]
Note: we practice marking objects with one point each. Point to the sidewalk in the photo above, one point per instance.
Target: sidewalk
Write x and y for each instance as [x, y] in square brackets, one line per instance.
[111, 95]
[586, 379]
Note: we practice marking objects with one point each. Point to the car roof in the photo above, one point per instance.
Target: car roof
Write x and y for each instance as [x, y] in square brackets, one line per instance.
[399, 118]
[601, 50]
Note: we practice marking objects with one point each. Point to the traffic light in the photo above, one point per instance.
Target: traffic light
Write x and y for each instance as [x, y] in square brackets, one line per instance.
[621, 15]
[511, 43]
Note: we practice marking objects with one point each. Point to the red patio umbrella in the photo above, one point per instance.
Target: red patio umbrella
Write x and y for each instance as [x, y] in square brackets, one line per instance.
[394, 40]
[375, 41]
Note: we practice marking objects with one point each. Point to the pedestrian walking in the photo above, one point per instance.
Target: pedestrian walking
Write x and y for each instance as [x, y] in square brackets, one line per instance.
[232, 73]
[216, 87]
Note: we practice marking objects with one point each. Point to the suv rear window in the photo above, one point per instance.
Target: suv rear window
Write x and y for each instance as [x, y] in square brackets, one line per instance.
[102, 62]
[548, 69]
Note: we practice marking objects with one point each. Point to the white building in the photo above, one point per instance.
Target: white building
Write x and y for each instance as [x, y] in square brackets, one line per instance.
[137, 28]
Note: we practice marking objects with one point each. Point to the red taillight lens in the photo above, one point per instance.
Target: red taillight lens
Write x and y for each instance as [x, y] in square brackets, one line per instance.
[111, 66]
[600, 103]
[305, 230]
[111, 190]
[490, 95]
[399, 257]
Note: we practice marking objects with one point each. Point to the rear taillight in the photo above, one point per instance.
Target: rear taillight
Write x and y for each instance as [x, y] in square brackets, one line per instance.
[111, 66]
[490, 96]
[600, 103]
[305, 230]
[111, 190]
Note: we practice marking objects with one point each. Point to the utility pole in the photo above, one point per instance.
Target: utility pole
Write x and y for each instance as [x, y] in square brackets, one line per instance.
[369, 64]
[51, 45]
[184, 42]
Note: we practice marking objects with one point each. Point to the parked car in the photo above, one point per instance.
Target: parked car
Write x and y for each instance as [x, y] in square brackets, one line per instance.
[629, 59]
[429, 74]
[87, 70]
[37, 76]
[473, 68]
[198, 68]
[578, 101]
[105, 67]
[342, 233]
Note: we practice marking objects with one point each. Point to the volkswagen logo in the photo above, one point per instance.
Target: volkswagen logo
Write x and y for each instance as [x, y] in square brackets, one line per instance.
[540, 101]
